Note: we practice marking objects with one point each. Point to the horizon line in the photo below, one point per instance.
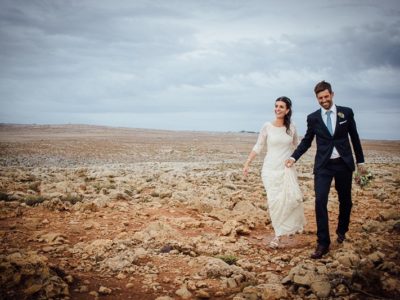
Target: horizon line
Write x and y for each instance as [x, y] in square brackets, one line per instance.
[158, 129]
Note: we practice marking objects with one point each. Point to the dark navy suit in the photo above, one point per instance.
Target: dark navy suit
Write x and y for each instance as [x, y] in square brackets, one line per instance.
[325, 169]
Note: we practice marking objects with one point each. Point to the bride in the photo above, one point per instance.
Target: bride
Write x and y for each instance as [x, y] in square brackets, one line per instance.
[285, 202]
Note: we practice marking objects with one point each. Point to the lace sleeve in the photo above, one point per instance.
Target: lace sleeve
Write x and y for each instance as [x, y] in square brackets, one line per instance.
[262, 137]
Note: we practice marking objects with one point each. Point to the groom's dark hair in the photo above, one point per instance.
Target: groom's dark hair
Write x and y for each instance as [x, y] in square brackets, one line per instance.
[322, 86]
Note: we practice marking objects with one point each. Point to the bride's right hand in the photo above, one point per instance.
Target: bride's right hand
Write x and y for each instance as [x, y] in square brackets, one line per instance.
[246, 170]
[289, 163]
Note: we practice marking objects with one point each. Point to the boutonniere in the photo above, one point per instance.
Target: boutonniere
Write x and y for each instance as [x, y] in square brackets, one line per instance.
[340, 115]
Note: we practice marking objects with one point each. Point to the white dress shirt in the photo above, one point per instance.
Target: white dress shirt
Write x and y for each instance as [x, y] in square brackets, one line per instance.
[335, 153]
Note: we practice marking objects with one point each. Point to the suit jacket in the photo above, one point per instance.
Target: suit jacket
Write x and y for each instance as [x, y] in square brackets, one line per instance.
[345, 128]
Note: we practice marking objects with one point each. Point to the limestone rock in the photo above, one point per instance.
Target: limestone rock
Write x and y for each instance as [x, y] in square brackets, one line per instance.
[104, 290]
[183, 292]
[273, 291]
[26, 273]
[390, 214]
[321, 289]
[347, 258]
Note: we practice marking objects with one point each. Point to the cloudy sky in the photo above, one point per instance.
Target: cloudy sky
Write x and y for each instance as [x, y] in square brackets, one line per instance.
[208, 65]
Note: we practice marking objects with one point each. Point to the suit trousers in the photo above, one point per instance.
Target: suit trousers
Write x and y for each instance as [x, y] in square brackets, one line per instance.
[335, 169]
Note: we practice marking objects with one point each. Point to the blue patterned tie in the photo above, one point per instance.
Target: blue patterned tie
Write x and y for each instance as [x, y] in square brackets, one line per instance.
[329, 121]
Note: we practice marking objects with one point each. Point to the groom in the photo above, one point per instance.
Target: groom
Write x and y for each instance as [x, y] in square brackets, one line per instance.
[331, 125]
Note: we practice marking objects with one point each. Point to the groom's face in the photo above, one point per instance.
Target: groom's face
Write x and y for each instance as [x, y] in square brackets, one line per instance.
[325, 99]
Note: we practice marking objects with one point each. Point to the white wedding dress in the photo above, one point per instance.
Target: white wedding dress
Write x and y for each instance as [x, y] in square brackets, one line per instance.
[285, 200]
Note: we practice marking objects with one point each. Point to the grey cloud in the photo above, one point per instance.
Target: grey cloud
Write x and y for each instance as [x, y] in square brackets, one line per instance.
[187, 64]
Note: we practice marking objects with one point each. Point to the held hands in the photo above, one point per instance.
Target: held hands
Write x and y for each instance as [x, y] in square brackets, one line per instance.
[289, 163]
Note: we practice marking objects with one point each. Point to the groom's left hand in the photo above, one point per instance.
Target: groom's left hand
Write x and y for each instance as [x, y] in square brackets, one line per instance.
[361, 168]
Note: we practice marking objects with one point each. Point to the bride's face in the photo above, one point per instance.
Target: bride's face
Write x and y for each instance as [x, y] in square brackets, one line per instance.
[280, 109]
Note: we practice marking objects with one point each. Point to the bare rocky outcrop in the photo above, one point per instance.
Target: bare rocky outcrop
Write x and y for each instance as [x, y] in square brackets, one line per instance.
[27, 275]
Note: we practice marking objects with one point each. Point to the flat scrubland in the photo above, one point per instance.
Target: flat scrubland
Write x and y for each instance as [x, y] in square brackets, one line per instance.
[91, 212]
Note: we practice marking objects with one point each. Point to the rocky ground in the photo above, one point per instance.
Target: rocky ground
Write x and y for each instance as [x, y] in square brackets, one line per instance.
[90, 212]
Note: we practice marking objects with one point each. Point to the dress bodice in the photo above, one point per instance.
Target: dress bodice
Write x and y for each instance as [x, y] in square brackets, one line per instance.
[279, 144]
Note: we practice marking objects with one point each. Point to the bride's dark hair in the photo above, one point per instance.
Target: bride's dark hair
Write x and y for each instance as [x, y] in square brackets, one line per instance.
[288, 116]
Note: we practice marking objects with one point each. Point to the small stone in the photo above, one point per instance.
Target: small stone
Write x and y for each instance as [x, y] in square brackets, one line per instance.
[166, 248]
[84, 289]
[321, 289]
[184, 293]
[88, 226]
[390, 214]
[201, 284]
[342, 290]
[231, 282]
[202, 294]
[286, 280]
[48, 249]
[376, 257]
[392, 285]
[121, 276]
[33, 289]
[104, 290]
[94, 294]
[69, 279]
[274, 292]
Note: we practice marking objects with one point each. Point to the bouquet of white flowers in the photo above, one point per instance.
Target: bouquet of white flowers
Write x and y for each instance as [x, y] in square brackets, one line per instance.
[363, 178]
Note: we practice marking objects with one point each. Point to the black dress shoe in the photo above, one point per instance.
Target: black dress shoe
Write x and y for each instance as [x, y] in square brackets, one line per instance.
[320, 251]
[340, 238]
